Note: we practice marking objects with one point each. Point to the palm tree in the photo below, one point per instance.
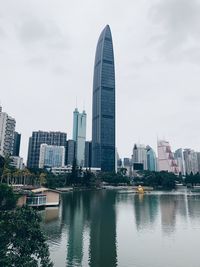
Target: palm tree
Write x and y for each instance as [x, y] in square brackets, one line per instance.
[26, 175]
[6, 176]
[17, 175]
[42, 178]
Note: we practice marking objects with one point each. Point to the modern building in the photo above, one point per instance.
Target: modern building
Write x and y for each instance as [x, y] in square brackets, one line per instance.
[198, 159]
[39, 197]
[40, 137]
[88, 154]
[166, 160]
[151, 159]
[17, 162]
[68, 169]
[103, 106]
[70, 153]
[139, 157]
[7, 129]
[191, 161]
[16, 145]
[51, 156]
[79, 136]
[178, 155]
[126, 162]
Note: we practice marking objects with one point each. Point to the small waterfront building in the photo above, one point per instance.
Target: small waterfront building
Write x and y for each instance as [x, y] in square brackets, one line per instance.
[39, 197]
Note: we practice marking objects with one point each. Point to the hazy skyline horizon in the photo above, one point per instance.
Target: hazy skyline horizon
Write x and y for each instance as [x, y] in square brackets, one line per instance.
[47, 55]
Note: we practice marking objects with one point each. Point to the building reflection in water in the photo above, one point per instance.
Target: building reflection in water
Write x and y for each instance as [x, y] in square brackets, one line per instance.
[146, 210]
[194, 207]
[103, 230]
[94, 211]
[86, 221]
[51, 224]
[168, 205]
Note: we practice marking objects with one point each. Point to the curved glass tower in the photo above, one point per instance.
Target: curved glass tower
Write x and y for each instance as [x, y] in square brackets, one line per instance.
[103, 109]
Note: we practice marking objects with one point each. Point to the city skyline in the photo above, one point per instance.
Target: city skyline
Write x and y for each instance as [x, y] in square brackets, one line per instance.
[156, 72]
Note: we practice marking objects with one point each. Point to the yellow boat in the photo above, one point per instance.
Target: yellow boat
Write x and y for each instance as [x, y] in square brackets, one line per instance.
[140, 189]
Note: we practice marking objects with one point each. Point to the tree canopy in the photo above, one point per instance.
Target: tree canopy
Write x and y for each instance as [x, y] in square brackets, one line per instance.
[22, 242]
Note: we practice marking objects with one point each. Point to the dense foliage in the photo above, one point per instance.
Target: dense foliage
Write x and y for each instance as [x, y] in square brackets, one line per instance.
[114, 178]
[192, 179]
[163, 180]
[21, 241]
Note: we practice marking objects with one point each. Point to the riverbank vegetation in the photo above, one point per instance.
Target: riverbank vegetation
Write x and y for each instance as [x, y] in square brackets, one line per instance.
[22, 242]
[87, 179]
[158, 180]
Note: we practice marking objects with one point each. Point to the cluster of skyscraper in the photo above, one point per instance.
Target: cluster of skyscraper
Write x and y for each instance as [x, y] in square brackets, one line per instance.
[52, 149]
[182, 161]
[143, 158]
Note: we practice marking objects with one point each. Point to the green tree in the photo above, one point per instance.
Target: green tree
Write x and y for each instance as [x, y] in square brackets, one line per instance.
[22, 242]
[74, 176]
[7, 198]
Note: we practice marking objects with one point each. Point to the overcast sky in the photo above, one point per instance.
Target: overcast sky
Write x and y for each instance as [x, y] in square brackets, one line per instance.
[47, 51]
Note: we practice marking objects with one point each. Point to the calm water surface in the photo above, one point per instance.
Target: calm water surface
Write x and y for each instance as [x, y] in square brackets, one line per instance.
[105, 228]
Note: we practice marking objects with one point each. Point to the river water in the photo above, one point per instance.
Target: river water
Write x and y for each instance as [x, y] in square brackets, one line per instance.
[106, 228]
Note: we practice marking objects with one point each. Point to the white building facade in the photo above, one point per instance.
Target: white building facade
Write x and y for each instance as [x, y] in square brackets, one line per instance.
[191, 161]
[7, 130]
[51, 156]
[178, 154]
[17, 162]
[140, 155]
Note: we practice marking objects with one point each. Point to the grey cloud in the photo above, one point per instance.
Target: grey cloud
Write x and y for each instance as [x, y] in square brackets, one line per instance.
[35, 30]
[59, 70]
[179, 22]
[2, 33]
[36, 62]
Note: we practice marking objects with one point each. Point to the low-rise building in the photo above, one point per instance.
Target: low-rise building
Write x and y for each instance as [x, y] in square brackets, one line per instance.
[68, 169]
[39, 197]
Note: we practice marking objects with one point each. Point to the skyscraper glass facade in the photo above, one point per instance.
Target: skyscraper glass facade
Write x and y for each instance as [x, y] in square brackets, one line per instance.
[79, 135]
[151, 159]
[103, 110]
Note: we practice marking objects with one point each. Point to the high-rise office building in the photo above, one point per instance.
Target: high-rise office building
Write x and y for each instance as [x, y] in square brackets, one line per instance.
[103, 106]
[40, 137]
[151, 159]
[139, 157]
[79, 136]
[7, 129]
[70, 153]
[191, 161]
[198, 160]
[88, 154]
[51, 156]
[178, 155]
[166, 160]
[16, 145]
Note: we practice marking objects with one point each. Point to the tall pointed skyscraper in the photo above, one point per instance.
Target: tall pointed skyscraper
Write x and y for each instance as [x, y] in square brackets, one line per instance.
[103, 109]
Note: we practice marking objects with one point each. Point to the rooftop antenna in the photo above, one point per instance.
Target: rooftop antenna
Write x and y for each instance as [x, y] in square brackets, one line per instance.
[76, 101]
